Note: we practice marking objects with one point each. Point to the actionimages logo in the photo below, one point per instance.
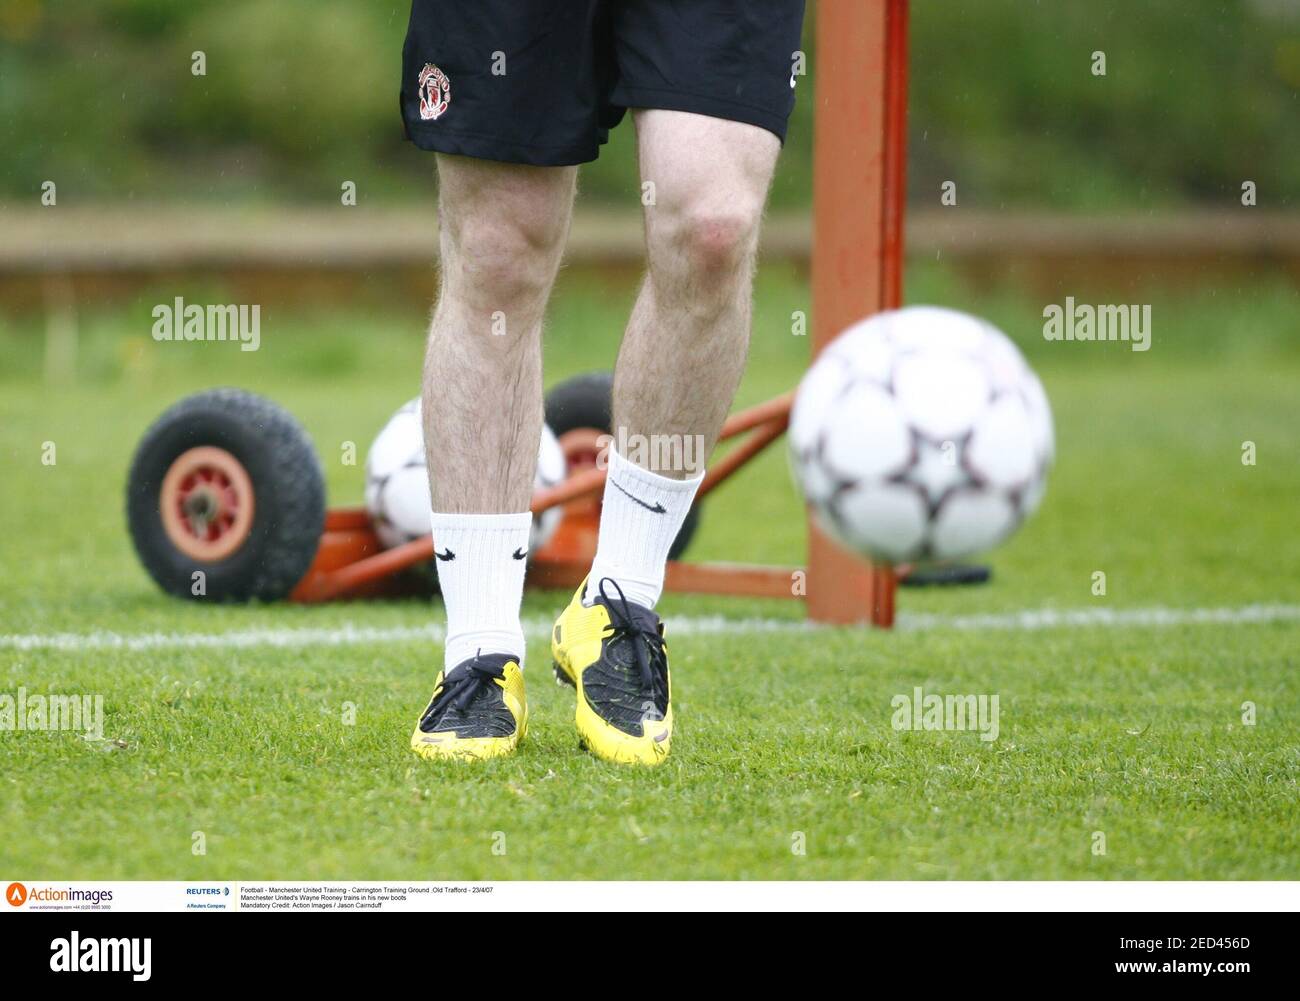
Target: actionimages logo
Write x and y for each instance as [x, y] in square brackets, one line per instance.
[75, 954]
[17, 894]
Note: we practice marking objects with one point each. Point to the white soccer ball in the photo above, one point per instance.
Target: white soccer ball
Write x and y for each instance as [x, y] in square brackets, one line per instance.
[397, 481]
[920, 435]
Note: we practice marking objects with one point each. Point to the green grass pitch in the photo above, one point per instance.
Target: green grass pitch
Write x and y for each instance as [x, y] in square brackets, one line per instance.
[1127, 728]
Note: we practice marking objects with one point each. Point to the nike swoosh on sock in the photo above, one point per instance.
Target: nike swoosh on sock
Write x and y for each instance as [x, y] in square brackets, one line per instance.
[656, 508]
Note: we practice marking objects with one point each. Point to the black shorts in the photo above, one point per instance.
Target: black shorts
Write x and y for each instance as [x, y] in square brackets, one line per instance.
[543, 81]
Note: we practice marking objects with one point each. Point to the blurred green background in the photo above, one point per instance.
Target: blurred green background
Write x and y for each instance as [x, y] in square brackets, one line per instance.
[300, 95]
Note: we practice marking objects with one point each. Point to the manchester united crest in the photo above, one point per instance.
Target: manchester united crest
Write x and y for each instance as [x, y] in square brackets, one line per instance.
[435, 92]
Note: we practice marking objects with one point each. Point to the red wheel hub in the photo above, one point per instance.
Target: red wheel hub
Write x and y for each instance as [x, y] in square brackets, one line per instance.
[207, 503]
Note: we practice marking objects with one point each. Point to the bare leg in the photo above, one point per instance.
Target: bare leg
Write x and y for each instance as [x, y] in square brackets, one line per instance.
[685, 346]
[503, 233]
[684, 350]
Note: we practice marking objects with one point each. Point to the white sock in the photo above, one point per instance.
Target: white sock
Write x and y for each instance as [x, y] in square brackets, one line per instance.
[641, 514]
[481, 564]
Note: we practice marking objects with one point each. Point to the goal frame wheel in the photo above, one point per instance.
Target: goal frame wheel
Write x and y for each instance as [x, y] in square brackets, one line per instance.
[225, 498]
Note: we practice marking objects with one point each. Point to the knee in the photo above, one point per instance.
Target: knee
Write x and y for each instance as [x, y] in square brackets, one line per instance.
[713, 242]
[509, 262]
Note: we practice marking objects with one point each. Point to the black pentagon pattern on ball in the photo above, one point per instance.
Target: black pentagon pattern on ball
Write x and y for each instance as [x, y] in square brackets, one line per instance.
[907, 476]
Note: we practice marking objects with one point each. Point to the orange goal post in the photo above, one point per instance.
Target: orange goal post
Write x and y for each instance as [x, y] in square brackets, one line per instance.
[859, 195]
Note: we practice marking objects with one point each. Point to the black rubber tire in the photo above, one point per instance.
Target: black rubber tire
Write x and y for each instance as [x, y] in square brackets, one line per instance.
[288, 486]
[586, 401]
[950, 575]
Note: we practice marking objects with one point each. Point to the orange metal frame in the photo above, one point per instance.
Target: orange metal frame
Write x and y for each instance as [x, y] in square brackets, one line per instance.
[859, 180]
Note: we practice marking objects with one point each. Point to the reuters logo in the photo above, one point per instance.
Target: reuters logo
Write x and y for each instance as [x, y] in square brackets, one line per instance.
[16, 894]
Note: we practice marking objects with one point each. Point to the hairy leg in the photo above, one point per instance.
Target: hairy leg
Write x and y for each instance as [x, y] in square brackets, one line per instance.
[503, 229]
[684, 350]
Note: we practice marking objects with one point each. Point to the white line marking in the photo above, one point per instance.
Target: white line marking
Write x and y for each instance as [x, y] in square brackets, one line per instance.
[1049, 618]
[352, 635]
[346, 635]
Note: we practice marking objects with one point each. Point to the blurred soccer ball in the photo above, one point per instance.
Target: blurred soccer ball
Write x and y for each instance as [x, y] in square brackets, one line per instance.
[921, 434]
[397, 482]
